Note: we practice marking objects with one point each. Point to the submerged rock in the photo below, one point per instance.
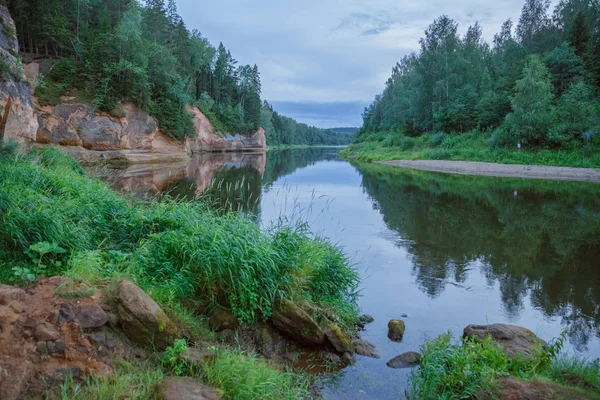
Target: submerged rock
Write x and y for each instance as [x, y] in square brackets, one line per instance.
[179, 388]
[406, 360]
[142, 320]
[513, 339]
[222, 319]
[396, 330]
[296, 323]
[365, 349]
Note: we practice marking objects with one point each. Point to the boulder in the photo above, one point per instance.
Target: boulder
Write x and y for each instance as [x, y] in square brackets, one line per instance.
[10, 293]
[513, 339]
[179, 388]
[91, 316]
[341, 342]
[396, 329]
[406, 360]
[366, 319]
[46, 331]
[365, 349]
[14, 375]
[197, 357]
[294, 322]
[142, 320]
[221, 319]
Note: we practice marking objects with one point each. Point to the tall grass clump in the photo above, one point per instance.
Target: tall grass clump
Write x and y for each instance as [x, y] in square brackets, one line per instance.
[54, 218]
[246, 377]
[473, 369]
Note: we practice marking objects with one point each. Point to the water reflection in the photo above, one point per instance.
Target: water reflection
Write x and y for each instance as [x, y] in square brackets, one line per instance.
[537, 239]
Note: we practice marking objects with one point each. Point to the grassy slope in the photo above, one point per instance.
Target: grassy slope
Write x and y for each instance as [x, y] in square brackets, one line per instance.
[473, 146]
[55, 220]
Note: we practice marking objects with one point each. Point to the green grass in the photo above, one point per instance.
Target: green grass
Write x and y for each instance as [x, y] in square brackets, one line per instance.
[56, 220]
[471, 146]
[246, 377]
[174, 250]
[473, 369]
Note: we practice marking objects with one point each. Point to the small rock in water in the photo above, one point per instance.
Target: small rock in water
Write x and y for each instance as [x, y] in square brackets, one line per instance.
[366, 319]
[405, 360]
[404, 315]
[396, 330]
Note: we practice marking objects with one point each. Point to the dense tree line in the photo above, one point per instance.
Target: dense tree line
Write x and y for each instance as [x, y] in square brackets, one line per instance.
[537, 85]
[281, 130]
[121, 50]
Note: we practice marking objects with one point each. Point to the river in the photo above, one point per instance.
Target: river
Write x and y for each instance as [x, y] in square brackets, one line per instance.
[443, 250]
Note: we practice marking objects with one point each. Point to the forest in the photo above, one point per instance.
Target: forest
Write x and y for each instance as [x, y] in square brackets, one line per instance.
[106, 52]
[536, 86]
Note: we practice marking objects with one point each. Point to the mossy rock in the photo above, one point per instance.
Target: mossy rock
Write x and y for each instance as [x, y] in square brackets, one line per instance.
[396, 328]
[142, 320]
[340, 341]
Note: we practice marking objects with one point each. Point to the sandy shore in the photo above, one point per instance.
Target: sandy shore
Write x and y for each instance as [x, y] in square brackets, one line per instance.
[503, 170]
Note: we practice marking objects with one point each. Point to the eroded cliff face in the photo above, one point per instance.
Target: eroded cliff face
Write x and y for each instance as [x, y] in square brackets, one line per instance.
[89, 135]
[136, 137]
[17, 115]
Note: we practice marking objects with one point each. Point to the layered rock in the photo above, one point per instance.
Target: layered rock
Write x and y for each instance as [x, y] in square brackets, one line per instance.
[17, 114]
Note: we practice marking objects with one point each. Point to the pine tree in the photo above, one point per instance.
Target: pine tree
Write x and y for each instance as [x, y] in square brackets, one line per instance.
[579, 35]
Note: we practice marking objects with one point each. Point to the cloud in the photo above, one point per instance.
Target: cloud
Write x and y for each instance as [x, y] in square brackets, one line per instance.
[366, 24]
[324, 115]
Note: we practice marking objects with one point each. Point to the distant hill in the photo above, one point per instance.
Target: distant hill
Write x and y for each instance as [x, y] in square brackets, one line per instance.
[345, 130]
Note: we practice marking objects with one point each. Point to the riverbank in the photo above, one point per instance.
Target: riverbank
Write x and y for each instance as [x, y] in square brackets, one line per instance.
[228, 287]
[500, 170]
[472, 146]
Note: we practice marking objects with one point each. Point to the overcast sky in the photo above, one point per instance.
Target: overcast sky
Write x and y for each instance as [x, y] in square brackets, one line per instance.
[322, 61]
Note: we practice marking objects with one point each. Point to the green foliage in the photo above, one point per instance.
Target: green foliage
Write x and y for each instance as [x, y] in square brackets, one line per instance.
[532, 113]
[172, 360]
[457, 372]
[246, 377]
[457, 84]
[472, 368]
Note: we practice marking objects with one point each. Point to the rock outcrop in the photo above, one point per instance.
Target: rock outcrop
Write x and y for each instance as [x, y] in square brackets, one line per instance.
[89, 135]
[513, 339]
[293, 321]
[17, 114]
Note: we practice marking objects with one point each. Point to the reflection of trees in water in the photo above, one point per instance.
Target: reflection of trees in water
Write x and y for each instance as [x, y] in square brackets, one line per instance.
[284, 162]
[541, 241]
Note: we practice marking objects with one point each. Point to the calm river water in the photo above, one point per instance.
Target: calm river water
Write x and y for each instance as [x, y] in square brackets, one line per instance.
[444, 250]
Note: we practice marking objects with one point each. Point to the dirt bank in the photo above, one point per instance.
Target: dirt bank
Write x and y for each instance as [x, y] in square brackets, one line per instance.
[502, 170]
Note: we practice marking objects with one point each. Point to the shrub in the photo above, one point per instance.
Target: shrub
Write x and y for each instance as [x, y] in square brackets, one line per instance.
[436, 139]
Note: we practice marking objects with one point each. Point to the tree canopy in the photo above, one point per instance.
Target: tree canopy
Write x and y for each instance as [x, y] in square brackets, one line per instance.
[518, 88]
[110, 51]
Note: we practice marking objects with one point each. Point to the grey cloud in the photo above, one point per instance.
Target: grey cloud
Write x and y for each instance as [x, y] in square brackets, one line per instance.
[367, 24]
